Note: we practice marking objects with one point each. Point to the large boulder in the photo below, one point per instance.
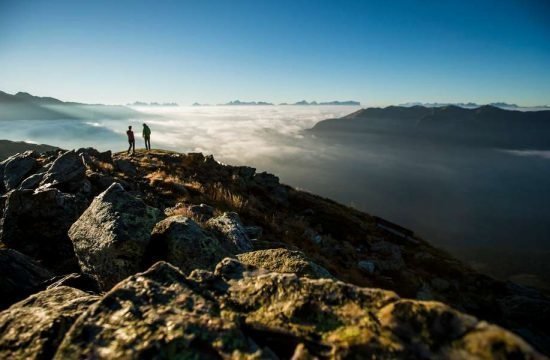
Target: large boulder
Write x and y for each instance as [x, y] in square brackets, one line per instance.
[338, 320]
[232, 232]
[36, 223]
[284, 261]
[66, 172]
[156, 314]
[111, 236]
[20, 276]
[183, 243]
[17, 167]
[34, 327]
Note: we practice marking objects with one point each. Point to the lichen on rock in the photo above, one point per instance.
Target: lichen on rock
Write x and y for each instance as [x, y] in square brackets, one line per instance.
[284, 261]
[111, 236]
[34, 327]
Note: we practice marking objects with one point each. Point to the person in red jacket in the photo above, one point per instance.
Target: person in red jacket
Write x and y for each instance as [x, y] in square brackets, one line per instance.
[131, 141]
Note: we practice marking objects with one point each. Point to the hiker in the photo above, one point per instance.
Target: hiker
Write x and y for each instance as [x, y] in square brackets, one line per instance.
[147, 136]
[131, 141]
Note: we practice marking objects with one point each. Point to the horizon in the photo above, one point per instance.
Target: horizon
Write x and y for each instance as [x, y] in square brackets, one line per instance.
[313, 102]
[215, 52]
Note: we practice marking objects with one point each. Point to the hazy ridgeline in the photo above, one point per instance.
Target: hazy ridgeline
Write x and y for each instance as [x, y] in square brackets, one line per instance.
[488, 205]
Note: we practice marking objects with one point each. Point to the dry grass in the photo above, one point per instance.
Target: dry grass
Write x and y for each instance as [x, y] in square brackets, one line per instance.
[219, 193]
[105, 167]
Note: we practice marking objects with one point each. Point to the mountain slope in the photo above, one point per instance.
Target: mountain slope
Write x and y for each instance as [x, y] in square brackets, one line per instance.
[107, 217]
[24, 106]
[483, 126]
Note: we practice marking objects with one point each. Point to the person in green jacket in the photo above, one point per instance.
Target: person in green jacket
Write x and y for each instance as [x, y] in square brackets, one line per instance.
[147, 136]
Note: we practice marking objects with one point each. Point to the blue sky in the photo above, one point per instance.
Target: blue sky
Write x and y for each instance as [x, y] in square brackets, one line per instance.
[379, 53]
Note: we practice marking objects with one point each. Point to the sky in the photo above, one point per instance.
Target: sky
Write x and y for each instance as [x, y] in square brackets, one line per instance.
[376, 52]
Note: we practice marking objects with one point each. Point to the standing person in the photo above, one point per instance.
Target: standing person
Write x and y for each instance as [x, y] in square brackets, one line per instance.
[147, 136]
[131, 141]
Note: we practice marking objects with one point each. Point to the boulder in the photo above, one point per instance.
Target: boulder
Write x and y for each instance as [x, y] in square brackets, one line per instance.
[430, 329]
[183, 243]
[32, 181]
[111, 236]
[34, 327]
[329, 318]
[156, 314]
[99, 180]
[125, 166]
[36, 224]
[202, 212]
[17, 167]
[105, 156]
[20, 276]
[232, 232]
[66, 172]
[284, 261]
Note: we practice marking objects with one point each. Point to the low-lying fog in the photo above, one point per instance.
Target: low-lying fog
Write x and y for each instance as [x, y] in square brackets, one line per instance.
[488, 206]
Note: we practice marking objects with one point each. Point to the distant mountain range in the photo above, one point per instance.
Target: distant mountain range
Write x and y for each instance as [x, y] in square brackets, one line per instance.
[303, 102]
[154, 104]
[486, 125]
[471, 105]
[24, 106]
[238, 102]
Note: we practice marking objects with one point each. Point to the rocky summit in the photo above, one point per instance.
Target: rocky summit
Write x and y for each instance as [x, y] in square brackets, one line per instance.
[164, 255]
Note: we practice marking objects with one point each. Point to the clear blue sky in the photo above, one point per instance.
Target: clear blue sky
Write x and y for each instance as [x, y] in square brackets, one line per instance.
[377, 52]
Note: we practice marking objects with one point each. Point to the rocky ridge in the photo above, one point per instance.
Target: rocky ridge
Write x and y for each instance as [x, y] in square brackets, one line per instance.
[176, 255]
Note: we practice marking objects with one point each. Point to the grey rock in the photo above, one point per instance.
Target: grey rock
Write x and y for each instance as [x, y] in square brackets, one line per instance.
[32, 181]
[111, 236]
[156, 314]
[100, 181]
[232, 232]
[183, 243]
[17, 167]
[36, 224]
[20, 276]
[245, 172]
[105, 156]
[33, 328]
[67, 170]
[125, 166]
[284, 261]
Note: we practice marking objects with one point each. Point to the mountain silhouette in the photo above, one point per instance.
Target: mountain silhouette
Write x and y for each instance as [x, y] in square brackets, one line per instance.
[486, 125]
[24, 106]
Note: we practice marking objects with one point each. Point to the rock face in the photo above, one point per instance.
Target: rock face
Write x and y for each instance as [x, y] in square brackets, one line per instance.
[111, 236]
[20, 277]
[36, 224]
[232, 232]
[236, 312]
[182, 242]
[284, 261]
[156, 314]
[66, 171]
[33, 328]
[17, 167]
